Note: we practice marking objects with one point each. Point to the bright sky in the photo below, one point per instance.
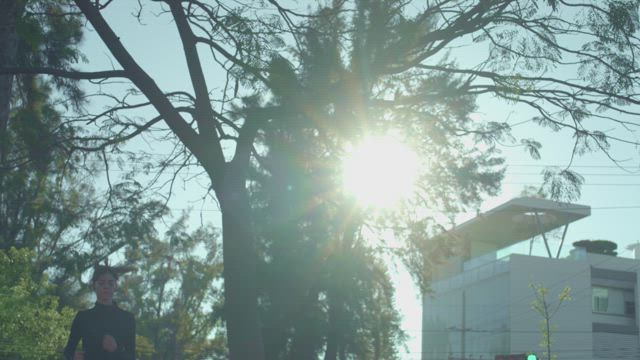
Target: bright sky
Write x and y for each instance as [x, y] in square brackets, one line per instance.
[613, 194]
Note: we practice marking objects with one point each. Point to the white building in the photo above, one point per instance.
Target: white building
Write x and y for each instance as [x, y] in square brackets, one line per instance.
[480, 306]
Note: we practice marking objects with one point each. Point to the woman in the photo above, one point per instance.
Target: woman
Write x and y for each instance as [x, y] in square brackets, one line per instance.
[107, 332]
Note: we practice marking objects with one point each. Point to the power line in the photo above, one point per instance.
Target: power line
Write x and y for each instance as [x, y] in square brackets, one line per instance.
[564, 165]
[569, 207]
[584, 184]
[583, 174]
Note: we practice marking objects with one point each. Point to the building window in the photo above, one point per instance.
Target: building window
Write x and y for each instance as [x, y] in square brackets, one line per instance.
[613, 301]
[630, 308]
[600, 300]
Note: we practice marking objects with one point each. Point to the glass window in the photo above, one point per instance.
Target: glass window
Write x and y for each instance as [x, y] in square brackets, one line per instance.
[629, 308]
[613, 301]
[600, 299]
[616, 302]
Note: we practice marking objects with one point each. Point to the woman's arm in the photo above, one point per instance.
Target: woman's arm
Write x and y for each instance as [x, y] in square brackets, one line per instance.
[129, 347]
[126, 345]
[74, 338]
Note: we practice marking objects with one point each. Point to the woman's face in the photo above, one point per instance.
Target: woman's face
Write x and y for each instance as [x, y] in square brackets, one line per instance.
[104, 287]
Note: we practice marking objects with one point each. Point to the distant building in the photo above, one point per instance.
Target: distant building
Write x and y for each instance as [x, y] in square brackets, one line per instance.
[480, 307]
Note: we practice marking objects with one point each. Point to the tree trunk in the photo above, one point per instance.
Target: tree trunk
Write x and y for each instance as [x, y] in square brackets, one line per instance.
[8, 50]
[244, 336]
[336, 295]
[333, 335]
[306, 339]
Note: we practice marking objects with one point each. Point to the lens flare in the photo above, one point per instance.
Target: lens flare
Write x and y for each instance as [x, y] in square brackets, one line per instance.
[380, 172]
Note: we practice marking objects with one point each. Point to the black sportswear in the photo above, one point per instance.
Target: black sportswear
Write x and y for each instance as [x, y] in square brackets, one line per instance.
[92, 325]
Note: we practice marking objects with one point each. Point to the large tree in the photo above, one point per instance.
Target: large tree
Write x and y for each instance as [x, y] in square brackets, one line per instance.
[339, 299]
[574, 63]
[33, 161]
[47, 203]
[174, 295]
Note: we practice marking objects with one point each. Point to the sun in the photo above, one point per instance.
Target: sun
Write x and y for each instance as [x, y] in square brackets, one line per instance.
[380, 172]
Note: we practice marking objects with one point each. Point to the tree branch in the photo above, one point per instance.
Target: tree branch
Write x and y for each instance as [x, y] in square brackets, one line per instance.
[204, 113]
[209, 154]
[70, 74]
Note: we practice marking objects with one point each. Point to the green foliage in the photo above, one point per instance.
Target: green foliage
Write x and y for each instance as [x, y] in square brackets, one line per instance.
[340, 72]
[533, 147]
[561, 184]
[175, 294]
[340, 298]
[340, 294]
[144, 347]
[547, 310]
[604, 247]
[31, 325]
[42, 200]
[47, 202]
[49, 38]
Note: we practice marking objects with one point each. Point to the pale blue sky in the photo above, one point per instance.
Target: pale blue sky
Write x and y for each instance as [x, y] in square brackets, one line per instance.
[613, 194]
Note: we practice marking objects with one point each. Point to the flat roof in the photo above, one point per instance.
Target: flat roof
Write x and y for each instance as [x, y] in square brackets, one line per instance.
[515, 221]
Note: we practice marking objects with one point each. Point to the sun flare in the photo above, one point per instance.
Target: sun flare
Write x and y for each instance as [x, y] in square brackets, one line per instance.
[380, 172]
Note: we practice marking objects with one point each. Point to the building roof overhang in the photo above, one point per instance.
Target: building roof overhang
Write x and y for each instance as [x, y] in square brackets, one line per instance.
[519, 219]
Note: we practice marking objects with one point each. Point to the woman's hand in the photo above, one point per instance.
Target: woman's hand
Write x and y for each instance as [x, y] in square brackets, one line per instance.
[109, 343]
[78, 355]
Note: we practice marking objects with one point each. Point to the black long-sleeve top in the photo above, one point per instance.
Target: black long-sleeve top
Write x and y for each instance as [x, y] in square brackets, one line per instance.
[92, 325]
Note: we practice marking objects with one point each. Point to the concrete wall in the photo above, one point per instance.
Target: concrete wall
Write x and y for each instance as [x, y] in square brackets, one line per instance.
[571, 324]
[441, 314]
[486, 312]
[608, 346]
[479, 248]
[487, 318]
[621, 340]
[499, 318]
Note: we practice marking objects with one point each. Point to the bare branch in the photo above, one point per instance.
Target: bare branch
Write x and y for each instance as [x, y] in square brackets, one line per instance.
[207, 153]
[70, 74]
